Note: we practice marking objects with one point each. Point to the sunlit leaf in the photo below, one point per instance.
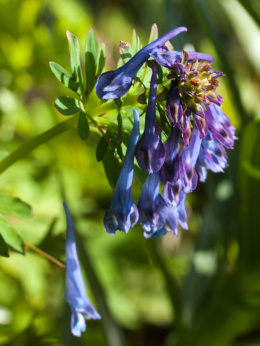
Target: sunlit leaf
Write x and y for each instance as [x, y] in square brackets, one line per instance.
[10, 236]
[64, 77]
[13, 206]
[67, 105]
[91, 59]
[75, 60]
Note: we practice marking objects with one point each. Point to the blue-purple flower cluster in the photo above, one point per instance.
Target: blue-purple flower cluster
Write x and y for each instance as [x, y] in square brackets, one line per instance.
[197, 134]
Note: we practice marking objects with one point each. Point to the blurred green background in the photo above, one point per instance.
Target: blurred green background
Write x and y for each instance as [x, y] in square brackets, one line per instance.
[201, 288]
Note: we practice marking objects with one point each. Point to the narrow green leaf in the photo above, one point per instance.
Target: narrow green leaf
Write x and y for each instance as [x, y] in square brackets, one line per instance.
[101, 149]
[102, 58]
[91, 59]
[111, 167]
[253, 8]
[153, 33]
[67, 105]
[75, 61]
[13, 206]
[64, 77]
[10, 236]
[3, 247]
[83, 126]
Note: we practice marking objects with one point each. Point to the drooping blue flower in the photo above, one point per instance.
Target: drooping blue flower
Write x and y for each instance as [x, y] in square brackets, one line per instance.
[176, 215]
[76, 296]
[114, 84]
[220, 125]
[153, 209]
[122, 213]
[150, 153]
[212, 157]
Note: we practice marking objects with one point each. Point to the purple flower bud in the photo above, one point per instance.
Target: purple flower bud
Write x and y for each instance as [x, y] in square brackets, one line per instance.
[150, 153]
[76, 296]
[188, 159]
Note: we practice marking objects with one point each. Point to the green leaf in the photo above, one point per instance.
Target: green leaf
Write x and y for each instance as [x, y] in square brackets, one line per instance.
[91, 59]
[10, 236]
[13, 206]
[75, 61]
[154, 33]
[64, 77]
[111, 167]
[83, 126]
[102, 58]
[3, 247]
[67, 105]
[101, 149]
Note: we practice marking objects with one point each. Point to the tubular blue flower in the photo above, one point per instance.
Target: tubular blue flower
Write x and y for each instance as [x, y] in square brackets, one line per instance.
[150, 153]
[114, 84]
[153, 209]
[76, 296]
[122, 213]
[212, 156]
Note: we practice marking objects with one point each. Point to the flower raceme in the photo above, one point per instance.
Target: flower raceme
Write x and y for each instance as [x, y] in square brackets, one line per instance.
[81, 306]
[185, 135]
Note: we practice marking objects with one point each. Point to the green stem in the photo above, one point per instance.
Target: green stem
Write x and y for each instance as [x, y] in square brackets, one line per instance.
[27, 147]
[33, 143]
[45, 254]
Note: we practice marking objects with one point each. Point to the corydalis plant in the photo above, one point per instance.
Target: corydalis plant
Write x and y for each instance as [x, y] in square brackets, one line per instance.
[185, 132]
